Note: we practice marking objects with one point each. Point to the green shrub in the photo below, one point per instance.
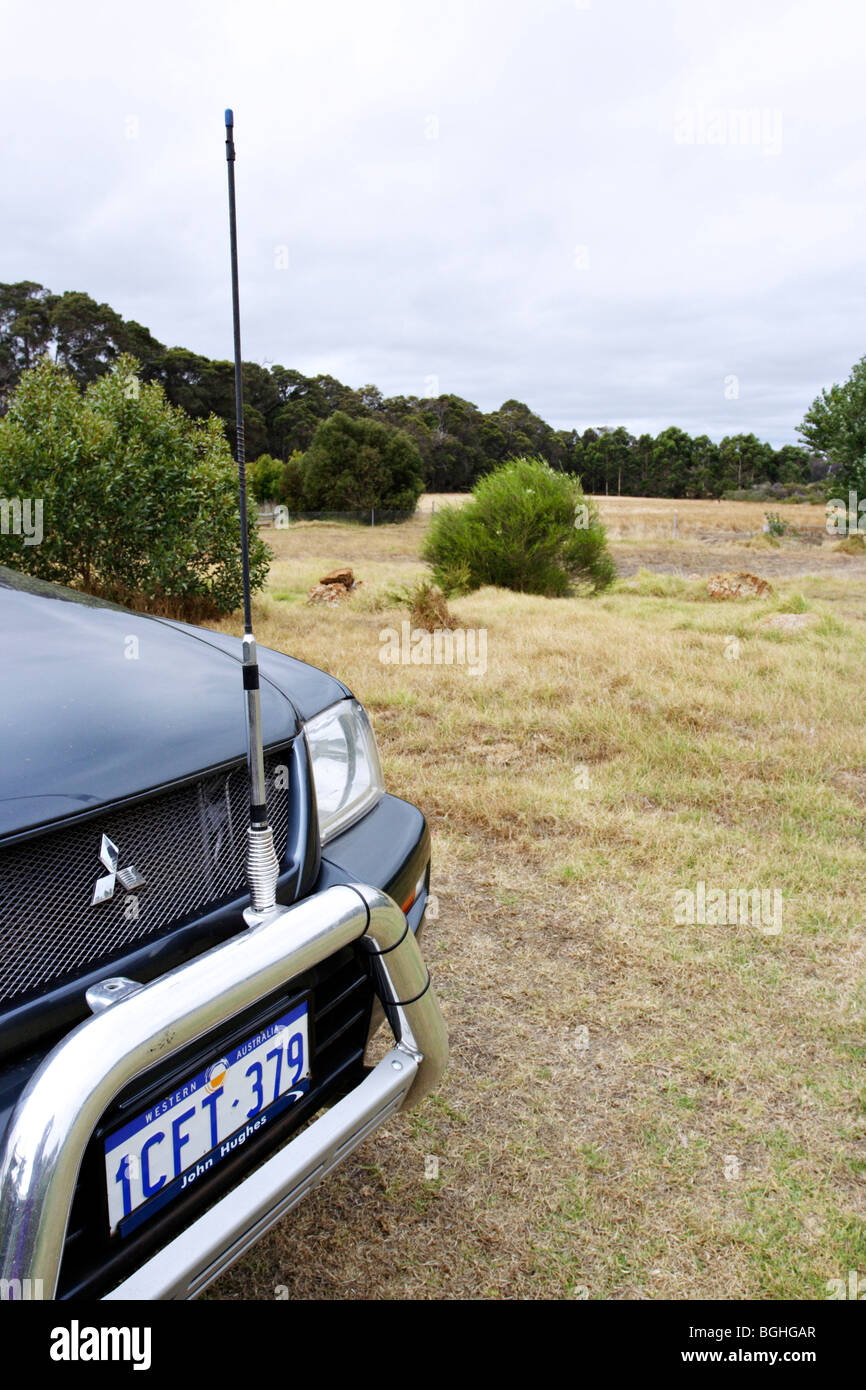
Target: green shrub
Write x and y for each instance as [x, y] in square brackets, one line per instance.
[527, 527]
[359, 464]
[139, 500]
[291, 491]
[775, 525]
[265, 478]
[778, 492]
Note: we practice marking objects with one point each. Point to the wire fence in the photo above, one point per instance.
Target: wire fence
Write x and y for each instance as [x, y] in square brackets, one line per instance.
[281, 517]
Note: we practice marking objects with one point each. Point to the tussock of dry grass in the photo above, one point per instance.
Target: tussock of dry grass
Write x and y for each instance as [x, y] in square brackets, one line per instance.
[633, 1108]
[651, 518]
[852, 545]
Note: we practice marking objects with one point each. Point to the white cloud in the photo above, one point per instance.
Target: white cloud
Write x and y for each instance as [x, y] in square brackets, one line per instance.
[431, 168]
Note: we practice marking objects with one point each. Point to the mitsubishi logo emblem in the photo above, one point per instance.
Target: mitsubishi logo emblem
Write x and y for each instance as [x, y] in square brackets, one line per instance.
[129, 878]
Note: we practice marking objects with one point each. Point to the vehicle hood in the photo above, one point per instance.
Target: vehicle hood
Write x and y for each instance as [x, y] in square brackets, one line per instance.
[98, 704]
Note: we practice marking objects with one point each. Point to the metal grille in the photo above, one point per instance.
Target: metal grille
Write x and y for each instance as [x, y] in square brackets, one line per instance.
[188, 844]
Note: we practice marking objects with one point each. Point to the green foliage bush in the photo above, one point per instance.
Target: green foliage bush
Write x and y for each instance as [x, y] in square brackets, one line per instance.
[357, 464]
[835, 425]
[849, 477]
[778, 492]
[139, 501]
[292, 482]
[264, 478]
[527, 527]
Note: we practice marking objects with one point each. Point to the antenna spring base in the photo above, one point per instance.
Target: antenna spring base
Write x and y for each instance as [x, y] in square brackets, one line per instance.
[263, 867]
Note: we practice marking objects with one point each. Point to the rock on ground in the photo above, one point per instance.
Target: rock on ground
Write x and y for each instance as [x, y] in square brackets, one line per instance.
[327, 593]
[334, 586]
[738, 584]
[343, 576]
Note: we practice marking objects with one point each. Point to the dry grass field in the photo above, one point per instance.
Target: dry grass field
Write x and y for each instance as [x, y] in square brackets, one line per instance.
[652, 518]
[635, 1107]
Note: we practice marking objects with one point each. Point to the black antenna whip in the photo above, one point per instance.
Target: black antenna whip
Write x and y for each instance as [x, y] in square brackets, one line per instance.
[262, 863]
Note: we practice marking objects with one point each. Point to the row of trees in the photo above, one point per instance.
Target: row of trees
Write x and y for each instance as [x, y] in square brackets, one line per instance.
[457, 443]
[674, 464]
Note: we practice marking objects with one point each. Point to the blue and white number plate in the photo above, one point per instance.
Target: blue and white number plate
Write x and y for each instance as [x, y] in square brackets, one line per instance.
[175, 1142]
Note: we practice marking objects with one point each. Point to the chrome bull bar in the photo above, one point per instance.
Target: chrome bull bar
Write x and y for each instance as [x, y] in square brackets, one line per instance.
[65, 1098]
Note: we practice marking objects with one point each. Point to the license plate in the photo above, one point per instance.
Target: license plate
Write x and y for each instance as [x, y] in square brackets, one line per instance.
[174, 1143]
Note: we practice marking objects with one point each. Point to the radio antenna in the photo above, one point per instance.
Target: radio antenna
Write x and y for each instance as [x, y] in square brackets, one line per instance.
[262, 863]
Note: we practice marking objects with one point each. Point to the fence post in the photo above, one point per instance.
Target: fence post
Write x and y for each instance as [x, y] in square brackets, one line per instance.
[675, 525]
[372, 516]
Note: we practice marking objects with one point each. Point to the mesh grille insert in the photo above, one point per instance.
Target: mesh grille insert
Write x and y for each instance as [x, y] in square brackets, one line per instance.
[189, 844]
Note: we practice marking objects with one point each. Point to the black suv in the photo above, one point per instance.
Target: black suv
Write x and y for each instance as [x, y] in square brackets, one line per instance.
[177, 1070]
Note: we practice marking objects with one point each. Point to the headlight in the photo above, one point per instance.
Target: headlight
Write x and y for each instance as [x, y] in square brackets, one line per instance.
[347, 773]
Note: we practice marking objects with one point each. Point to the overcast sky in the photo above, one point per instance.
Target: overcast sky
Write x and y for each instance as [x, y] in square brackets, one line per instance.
[639, 212]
